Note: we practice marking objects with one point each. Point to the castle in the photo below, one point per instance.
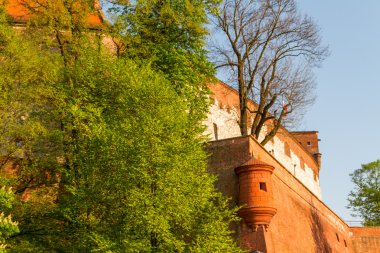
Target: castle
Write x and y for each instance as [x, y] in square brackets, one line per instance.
[276, 185]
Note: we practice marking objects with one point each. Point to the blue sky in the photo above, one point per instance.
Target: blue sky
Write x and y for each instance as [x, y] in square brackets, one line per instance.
[346, 112]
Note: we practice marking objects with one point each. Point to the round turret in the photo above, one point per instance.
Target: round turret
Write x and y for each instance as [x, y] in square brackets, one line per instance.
[255, 193]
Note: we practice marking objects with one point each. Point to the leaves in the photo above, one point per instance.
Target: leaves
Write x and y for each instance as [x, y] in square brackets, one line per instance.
[103, 153]
[364, 200]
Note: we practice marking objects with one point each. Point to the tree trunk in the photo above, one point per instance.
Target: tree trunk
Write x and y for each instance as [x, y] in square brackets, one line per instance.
[243, 121]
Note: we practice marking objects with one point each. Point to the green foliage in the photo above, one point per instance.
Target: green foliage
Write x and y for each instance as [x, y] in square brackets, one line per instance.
[106, 154]
[171, 36]
[7, 226]
[27, 75]
[364, 200]
[141, 183]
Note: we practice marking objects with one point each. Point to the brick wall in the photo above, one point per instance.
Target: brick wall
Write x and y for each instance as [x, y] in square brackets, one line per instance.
[308, 139]
[302, 224]
[366, 239]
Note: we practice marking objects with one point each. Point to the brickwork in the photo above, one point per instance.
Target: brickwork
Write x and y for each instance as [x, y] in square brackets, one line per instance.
[366, 239]
[308, 139]
[303, 223]
[255, 193]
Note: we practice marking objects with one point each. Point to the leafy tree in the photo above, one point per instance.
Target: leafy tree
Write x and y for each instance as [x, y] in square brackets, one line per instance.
[269, 50]
[107, 154]
[141, 183]
[364, 200]
[27, 77]
[7, 226]
[170, 35]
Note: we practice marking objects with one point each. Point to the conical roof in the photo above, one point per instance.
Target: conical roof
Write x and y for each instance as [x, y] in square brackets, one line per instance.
[254, 165]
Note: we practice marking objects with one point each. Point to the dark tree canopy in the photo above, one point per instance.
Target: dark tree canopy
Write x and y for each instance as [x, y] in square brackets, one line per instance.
[269, 50]
[364, 199]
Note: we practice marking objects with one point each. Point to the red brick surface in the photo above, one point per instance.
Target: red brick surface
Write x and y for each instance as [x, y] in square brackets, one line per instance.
[306, 137]
[255, 193]
[366, 239]
[303, 224]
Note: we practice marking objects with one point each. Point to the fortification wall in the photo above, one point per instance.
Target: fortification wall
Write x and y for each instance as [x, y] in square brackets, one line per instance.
[302, 224]
[222, 123]
[366, 239]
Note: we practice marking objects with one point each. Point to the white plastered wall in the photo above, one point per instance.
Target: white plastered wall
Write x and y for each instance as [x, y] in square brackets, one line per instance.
[226, 121]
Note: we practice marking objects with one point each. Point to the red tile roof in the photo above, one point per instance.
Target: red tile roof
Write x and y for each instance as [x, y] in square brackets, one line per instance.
[20, 14]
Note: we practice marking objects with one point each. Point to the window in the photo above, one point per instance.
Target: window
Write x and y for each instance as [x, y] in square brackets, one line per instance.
[215, 131]
[263, 186]
[287, 149]
[337, 237]
[308, 144]
[345, 243]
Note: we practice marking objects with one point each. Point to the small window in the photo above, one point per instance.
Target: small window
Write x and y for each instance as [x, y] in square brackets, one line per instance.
[287, 149]
[215, 131]
[345, 243]
[263, 186]
[308, 144]
[337, 237]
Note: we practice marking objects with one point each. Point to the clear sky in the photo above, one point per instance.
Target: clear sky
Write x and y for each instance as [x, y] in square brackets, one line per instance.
[346, 112]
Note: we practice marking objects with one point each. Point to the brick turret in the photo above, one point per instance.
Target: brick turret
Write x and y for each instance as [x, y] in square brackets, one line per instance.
[255, 193]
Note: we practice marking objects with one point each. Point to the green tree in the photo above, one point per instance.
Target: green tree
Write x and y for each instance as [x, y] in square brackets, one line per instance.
[28, 158]
[107, 154]
[7, 226]
[170, 35]
[141, 183]
[364, 200]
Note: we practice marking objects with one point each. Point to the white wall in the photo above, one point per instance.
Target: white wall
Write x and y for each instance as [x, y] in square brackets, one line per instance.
[228, 127]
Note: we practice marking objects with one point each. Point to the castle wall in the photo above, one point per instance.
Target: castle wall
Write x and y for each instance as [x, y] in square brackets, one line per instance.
[302, 224]
[222, 123]
[366, 239]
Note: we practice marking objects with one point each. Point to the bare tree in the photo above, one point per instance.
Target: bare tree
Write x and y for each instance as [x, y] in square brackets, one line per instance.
[270, 50]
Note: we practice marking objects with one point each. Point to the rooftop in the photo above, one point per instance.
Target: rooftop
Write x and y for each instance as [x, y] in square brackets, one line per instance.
[21, 12]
